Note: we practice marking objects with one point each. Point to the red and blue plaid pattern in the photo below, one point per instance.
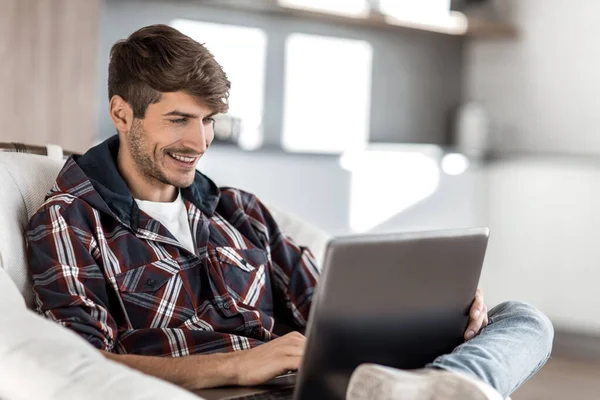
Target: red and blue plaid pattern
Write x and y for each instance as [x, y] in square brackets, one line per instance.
[130, 287]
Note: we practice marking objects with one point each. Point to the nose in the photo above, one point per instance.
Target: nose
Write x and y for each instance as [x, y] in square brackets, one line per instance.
[203, 137]
[198, 137]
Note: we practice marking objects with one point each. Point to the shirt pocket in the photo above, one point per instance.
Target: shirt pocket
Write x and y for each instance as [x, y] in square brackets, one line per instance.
[244, 272]
[153, 295]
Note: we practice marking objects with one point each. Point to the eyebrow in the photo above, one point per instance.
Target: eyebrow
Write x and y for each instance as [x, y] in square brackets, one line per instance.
[177, 113]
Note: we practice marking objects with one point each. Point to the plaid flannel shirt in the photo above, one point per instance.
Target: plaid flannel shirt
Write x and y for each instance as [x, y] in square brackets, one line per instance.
[108, 271]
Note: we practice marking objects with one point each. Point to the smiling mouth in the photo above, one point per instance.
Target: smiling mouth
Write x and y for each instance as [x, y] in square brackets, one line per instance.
[184, 159]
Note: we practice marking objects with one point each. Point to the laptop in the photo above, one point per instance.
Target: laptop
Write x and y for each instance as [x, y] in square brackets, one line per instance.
[399, 300]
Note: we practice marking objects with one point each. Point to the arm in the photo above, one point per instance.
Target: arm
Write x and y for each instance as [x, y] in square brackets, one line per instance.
[244, 368]
[294, 270]
[70, 288]
[191, 372]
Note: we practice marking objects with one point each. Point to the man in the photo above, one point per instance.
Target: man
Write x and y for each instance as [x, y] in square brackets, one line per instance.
[162, 271]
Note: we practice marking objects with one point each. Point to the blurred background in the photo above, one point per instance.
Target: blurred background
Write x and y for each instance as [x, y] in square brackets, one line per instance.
[374, 116]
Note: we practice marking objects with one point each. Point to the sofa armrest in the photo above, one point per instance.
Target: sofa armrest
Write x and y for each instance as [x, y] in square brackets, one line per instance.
[41, 360]
[303, 233]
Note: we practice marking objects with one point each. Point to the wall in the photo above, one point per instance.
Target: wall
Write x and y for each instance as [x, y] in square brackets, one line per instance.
[416, 75]
[542, 89]
[48, 77]
[545, 221]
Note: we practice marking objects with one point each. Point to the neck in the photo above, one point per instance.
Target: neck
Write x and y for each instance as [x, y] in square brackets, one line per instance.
[143, 187]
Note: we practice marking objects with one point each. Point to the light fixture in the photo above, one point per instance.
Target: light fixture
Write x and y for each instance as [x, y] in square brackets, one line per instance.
[454, 164]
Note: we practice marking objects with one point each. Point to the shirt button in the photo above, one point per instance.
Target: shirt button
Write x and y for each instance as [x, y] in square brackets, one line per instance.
[150, 282]
[226, 305]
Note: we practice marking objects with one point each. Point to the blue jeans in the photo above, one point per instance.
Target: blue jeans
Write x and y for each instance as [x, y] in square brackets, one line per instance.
[514, 346]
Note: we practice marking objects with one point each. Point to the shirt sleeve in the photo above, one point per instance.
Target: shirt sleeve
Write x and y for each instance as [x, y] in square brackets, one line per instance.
[294, 271]
[68, 285]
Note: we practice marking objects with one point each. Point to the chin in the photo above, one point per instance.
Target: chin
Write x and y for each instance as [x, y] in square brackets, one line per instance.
[183, 182]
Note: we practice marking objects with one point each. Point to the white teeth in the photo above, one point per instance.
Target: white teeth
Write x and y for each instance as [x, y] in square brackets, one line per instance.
[188, 160]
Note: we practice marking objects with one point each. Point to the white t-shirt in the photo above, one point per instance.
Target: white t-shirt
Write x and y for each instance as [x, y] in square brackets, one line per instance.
[173, 216]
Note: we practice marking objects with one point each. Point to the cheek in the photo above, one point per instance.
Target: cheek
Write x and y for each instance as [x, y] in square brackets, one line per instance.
[210, 134]
[158, 154]
[161, 139]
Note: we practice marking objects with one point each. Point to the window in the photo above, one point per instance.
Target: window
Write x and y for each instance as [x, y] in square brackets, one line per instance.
[327, 94]
[242, 53]
[357, 8]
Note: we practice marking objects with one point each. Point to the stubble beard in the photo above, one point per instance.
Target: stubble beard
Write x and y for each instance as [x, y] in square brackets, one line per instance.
[141, 153]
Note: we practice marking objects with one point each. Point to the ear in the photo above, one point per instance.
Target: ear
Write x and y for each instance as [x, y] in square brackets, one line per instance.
[121, 114]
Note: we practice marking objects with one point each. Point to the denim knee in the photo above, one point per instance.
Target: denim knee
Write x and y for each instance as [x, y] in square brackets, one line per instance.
[529, 316]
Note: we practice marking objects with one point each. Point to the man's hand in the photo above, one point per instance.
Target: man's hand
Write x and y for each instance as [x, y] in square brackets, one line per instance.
[265, 362]
[244, 368]
[478, 316]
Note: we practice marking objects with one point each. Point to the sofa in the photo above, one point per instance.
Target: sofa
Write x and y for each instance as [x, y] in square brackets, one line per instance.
[39, 359]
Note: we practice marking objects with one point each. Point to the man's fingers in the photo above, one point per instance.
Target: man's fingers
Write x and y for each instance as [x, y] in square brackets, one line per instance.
[294, 334]
[473, 328]
[485, 317]
[291, 345]
[294, 337]
[293, 342]
[478, 305]
[293, 351]
[477, 323]
[293, 363]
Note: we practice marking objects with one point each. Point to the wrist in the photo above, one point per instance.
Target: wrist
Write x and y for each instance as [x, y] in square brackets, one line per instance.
[229, 368]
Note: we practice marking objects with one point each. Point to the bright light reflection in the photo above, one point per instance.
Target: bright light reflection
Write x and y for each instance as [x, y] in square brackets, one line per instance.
[332, 75]
[416, 10]
[386, 183]
[354, 8]
[455, 164]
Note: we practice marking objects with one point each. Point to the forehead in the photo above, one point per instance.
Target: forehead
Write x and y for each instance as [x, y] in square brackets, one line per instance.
[180, 101]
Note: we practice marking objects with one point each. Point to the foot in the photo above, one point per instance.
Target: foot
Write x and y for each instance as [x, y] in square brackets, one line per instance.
[374, 382]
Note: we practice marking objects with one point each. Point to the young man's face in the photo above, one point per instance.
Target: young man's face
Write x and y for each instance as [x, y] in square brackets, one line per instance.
[167, 144]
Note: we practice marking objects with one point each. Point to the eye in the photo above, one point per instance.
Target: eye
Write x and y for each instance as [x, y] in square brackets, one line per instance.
[179, 121]
[209, 120]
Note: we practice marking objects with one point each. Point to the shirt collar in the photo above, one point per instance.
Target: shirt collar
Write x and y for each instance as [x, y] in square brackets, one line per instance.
[100, 166]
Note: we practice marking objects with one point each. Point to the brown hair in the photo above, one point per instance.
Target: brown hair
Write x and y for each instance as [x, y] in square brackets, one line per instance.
[158, 59]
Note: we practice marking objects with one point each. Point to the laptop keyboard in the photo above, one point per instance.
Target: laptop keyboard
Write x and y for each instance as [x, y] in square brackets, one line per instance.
[275, 394]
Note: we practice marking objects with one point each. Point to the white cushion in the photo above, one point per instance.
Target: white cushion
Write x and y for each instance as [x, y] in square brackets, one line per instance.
[54, 151]
[41, 360]
[303, 233]
[25, 179]
[10, 297]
